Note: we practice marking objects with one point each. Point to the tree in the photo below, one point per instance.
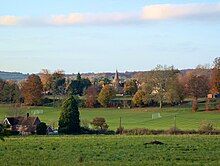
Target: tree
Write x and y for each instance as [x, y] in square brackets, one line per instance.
[106, 94]
[9, 92]
[92, 96]
[69, 121]
[32, 90]
[78, 86]
[100, 123]
[174, 91]
[58, 82]
[215, 76]
[130, 87]
[158, 79]
[46, 79]
[216, 63]
[41, 128]
[138, 98]
[198, 86]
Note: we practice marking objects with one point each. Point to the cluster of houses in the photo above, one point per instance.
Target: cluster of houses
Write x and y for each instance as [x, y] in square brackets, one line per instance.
[24, 125]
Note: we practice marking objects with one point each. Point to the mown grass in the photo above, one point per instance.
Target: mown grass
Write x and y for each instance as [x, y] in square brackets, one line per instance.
[131, 118]
[110, 150]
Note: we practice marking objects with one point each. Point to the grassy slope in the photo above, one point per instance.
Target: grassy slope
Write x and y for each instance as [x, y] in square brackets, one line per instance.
[110, 150]
[131, 118]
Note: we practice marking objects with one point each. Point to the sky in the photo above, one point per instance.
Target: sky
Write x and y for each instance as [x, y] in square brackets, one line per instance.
[102, 36]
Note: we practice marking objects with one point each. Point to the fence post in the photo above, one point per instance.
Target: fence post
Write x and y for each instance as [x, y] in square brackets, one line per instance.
[120, 123]
[174, 121]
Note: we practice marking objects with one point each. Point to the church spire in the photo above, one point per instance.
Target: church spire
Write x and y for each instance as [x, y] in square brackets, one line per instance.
[116, 79]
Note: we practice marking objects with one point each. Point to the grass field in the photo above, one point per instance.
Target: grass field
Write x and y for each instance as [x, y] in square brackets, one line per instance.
[110, 150]
[131, 118]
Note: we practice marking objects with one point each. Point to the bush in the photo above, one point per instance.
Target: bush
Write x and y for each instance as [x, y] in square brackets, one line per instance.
[41, 128]
[119, 130]
[100, 123]
[206, 126]
[85, 124]
[93, 131]
[173, 130]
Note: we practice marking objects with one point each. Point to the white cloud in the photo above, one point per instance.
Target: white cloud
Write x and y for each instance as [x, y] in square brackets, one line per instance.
[90, 18]
[70, 19]
[8, 20]
[199, 11]
[181, 11]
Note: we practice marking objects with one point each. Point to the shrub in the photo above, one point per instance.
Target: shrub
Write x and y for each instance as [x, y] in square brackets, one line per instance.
[119, 130]
[41, 128]
[99, 123]
[85, 124]
[206, 126]
[173, 130]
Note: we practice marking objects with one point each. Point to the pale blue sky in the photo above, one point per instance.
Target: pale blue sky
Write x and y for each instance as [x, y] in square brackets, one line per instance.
[108, 34]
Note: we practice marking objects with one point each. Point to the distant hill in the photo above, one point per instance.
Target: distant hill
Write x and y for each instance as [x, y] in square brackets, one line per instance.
[16, 76]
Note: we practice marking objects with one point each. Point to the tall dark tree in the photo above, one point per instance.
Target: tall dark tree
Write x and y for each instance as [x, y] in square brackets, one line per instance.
[78, 86]
[9, 92]
[69, 121]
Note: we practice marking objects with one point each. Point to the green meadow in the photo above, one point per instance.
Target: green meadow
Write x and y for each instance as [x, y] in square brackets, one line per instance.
[110, 150]
[131, 118]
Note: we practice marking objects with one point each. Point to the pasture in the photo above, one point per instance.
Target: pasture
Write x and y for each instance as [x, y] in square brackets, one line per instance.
[110, 150]
[131, 118]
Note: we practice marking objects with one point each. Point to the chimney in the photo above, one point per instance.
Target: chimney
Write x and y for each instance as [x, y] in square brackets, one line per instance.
[27, 115]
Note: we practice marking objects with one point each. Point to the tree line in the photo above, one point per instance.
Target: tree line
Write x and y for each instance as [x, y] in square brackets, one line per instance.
[160, 86]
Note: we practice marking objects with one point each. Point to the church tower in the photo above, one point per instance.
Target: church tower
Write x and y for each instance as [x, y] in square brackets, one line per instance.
[116, 80]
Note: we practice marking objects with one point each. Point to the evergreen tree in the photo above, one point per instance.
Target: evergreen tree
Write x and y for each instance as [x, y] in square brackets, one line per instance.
[69, 122]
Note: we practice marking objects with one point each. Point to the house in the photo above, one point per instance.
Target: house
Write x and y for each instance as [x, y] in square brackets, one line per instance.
[24, 125]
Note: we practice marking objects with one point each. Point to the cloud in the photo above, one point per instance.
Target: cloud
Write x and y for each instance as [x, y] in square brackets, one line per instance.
[91, 18]
[70, 19]
[196, 11]
[181, 11]
[8, 20]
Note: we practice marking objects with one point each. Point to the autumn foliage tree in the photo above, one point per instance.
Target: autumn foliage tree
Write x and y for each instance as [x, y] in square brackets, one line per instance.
[32, 89]
[215, 77]
[91, 96]
[138, 98]
[130, 87]
[198, 86]
[159, 79]
[46, 79]
[106, 94]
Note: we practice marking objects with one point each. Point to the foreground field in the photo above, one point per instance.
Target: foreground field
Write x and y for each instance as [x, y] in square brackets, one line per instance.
[131, 118]
[110, 150]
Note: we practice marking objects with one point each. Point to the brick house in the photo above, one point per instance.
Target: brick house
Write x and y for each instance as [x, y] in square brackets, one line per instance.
[25, 125]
